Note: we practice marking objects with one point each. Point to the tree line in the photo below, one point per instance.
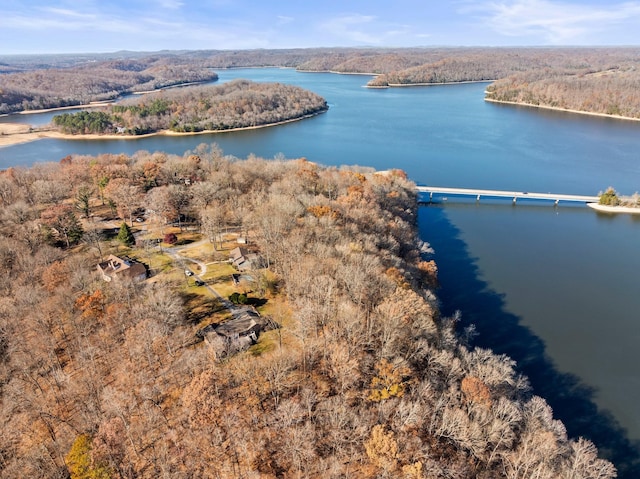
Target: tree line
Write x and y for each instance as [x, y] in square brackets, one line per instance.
[613, 91]
[364, 378]
[600, 79]
[237, 104]
[89, 81]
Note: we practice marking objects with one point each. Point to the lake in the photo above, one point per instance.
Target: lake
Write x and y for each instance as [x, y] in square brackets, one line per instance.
[556, 288]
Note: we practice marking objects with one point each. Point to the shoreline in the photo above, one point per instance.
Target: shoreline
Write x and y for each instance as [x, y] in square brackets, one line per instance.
[614, 209]
[17, 137]
[93, 104]
[179, 85]
[99, 103]
[335, 72]
[252, 67]
[394, 85]
[566, 110]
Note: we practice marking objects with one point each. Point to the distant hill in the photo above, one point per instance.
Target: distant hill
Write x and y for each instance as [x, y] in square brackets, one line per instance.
[81, 80]
[546, 76]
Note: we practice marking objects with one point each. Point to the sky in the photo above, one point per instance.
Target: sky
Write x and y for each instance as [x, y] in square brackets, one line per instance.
[82, 26]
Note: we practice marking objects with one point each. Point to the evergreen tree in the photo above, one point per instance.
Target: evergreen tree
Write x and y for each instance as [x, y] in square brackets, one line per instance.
[125, 236]
[83, 198]
[63, 223]
[609, 197]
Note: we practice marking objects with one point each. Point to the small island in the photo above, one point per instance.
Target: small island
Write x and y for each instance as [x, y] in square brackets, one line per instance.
[612, 202]
[234, 105]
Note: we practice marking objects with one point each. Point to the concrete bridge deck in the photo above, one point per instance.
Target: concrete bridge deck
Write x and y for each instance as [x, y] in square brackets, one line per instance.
[514, 195]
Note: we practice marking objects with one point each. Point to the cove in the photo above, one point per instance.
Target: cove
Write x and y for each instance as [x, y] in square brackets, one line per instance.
[555, 288]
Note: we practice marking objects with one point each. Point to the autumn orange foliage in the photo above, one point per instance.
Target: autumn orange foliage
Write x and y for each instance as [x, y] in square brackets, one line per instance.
[92, 305]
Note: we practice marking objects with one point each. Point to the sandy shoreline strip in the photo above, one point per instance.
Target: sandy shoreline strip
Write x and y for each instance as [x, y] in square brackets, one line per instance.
[566, 110]
[614, 209]
[99, 103]
[401, 85]
[17, 133]
[95, 104]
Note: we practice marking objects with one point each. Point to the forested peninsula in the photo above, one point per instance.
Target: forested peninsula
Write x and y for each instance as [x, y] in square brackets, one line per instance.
[600, 80]
[613, 91]
[237, 104]
[342, 365]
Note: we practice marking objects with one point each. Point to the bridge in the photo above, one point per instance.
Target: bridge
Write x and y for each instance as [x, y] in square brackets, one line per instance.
[514, 195]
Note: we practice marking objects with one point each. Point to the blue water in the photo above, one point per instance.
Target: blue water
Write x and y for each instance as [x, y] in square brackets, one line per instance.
[440, 135]
[555, 288]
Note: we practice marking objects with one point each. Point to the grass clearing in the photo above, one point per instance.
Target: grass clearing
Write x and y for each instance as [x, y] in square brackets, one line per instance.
[267, 342]
[218, 276]
[202, 252]
[203, 309]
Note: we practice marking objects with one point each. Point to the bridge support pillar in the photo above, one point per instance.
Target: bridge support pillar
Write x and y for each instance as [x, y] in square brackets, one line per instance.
[556, 203]
[514, 199]
[478, 198]
[430, 196]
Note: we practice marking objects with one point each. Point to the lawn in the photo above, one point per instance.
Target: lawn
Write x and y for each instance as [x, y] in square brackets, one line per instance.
[218, 276]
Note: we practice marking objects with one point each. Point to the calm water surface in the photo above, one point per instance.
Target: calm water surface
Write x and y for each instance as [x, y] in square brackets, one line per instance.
[555, 288]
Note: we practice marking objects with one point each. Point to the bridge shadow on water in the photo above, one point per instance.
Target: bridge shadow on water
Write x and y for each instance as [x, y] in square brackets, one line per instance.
[571, 399]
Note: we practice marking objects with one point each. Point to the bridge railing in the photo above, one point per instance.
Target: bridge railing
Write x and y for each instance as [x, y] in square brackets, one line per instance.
[514, 195]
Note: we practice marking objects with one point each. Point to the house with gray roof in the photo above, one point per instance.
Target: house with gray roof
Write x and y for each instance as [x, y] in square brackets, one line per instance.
[242, 260]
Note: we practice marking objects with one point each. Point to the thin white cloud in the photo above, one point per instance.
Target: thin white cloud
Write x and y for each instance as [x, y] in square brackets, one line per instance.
[363, 29]
[69, 21]
[170, 4]
[554, 22]
[161, 23]
[96, 22]
[65, 12]
[351, 28]
[46, 17]
[283, 19]
[111, 29]
[399, 31]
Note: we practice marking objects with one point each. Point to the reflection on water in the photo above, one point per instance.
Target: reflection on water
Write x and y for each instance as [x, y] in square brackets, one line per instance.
[464, 287]
[555, 288]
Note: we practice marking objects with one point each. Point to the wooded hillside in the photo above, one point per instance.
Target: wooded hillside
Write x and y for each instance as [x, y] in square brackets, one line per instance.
[362, 377]
[596, 79]
[615, 91]
[237, 104]
[94, 81]
[481, 64]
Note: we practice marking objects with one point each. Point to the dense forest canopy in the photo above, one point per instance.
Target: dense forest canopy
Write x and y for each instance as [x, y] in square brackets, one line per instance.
[237, 104]
[361, 376]
[596, 79]
[614, 91]
[91, 81]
